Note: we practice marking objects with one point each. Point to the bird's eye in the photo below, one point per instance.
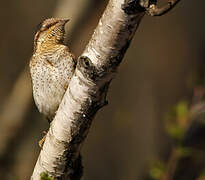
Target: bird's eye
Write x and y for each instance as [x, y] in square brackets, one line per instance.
[38, 27]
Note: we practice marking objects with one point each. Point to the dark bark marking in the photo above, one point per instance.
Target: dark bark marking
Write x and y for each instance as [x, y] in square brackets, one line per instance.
[132, 7]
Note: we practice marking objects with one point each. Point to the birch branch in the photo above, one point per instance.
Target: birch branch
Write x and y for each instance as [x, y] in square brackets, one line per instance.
[86, 94]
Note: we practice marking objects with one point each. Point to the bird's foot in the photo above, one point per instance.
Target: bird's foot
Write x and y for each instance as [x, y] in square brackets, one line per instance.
[41, 142]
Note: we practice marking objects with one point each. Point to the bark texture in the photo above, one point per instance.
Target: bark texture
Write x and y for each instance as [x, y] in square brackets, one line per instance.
[86, 94]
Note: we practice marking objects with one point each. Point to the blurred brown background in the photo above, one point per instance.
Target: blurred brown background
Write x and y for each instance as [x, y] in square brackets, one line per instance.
[128, 134]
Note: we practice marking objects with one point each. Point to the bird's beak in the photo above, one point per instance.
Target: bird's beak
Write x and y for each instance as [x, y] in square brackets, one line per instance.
[64, 21]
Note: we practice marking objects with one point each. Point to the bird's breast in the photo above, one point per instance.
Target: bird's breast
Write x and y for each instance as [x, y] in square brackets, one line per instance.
[49, 79]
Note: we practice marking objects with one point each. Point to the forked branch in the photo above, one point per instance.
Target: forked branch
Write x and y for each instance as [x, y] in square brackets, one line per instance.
[153, 10]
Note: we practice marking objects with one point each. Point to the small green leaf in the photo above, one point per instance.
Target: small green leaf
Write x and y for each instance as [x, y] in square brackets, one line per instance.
[157, 170]
[176, 121]
[175, 131]
[45, 176]
[182, 109]
[184, 151]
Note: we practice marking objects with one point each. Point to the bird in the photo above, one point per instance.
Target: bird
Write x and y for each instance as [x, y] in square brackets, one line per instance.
[51, 66]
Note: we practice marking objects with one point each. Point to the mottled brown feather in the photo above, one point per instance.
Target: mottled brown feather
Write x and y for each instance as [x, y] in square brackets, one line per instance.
[51, 66]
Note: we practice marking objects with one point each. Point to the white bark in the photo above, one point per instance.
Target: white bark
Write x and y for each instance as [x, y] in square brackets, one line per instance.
[87, 90]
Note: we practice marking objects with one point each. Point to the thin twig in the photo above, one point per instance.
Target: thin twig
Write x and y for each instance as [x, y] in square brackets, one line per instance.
[153, 10]
[171, 166]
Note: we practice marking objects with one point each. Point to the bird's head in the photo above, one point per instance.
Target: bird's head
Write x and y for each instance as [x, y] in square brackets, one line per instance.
[50, 31]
